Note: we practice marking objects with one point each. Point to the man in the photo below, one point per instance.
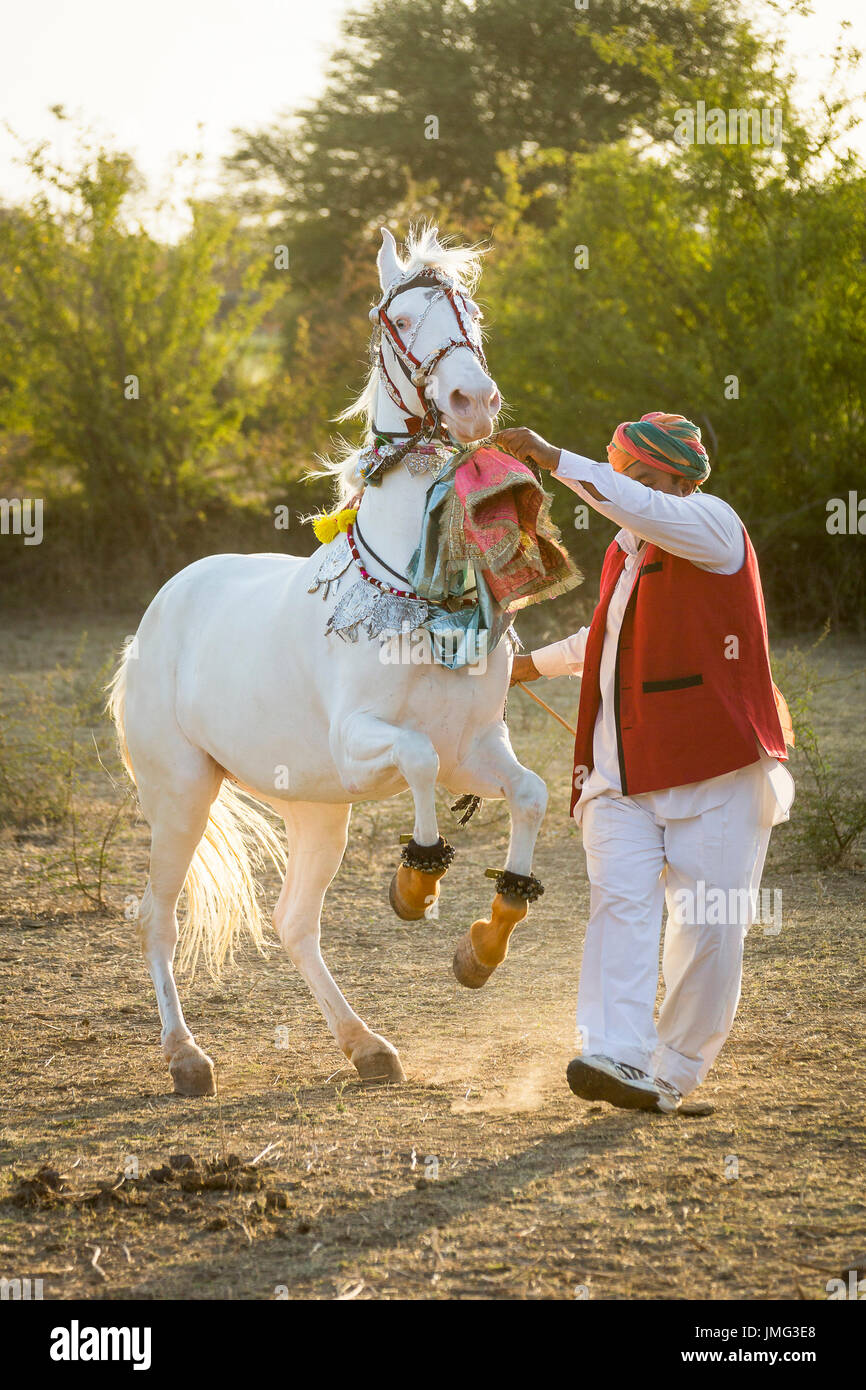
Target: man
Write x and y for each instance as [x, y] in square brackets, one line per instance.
[678, 760]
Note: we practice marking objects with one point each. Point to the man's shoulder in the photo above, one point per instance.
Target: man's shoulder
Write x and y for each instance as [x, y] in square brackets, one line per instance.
[717, 506]
[730, 539]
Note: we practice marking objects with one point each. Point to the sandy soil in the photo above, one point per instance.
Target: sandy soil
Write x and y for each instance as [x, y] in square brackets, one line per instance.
[482, 1177]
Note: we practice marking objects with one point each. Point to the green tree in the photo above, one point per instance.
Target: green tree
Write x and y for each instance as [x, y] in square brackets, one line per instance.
[118, 354]
[722, 281]
[498, 75]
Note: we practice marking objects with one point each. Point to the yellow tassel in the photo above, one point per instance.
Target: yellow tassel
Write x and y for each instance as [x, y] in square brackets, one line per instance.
[324, 528]
[328, 524]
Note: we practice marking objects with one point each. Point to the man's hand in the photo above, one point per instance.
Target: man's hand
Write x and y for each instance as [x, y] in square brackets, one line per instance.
[523, 669]
[528, 446]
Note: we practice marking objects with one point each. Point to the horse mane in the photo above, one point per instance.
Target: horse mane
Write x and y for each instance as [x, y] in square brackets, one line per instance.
[424, 251]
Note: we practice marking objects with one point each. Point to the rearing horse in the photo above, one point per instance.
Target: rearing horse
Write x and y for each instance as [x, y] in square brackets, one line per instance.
[233, 682]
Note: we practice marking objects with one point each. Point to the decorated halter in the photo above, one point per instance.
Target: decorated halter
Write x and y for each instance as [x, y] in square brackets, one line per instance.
[424, 428]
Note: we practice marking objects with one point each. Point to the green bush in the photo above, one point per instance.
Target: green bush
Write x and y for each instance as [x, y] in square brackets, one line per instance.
[829, 815]
[50, 748]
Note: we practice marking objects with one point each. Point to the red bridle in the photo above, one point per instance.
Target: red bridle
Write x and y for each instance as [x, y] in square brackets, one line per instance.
[418, 372]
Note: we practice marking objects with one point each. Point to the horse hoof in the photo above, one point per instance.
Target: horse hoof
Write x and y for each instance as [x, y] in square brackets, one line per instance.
[379, 1064]
[192, 1071]
[402, 909]
[467, 967]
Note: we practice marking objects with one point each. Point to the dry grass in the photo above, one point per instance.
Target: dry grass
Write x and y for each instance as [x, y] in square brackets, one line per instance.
[537, 1196]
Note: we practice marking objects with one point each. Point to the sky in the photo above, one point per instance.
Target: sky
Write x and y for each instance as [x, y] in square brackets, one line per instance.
[159, 79]
[177, 76]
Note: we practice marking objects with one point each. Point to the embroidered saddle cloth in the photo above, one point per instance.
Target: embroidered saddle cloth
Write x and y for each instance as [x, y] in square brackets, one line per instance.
[487, 526]
[488, 548]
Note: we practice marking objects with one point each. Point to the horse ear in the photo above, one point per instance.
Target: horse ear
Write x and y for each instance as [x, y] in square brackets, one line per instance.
[387, 260]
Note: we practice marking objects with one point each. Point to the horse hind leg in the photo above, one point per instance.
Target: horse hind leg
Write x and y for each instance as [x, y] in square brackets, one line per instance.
[317, 836]
[178, 814]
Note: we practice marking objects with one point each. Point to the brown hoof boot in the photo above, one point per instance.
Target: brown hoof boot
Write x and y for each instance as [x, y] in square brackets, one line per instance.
[467, 967]
[485, 945]
[415, 885]
[412, 892]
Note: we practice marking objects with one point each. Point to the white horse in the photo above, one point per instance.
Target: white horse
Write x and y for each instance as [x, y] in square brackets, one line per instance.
[231, 679]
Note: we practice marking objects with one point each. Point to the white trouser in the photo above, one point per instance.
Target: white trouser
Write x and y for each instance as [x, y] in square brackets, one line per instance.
[636, 860]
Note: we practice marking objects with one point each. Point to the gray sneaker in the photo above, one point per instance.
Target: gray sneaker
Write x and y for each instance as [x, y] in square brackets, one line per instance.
[596, 1077]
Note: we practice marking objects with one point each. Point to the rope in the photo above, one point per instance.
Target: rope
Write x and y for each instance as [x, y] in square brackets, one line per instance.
[558, 717]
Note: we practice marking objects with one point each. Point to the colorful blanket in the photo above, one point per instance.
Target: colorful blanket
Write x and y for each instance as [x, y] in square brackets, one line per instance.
[487, 538]
[499, 521]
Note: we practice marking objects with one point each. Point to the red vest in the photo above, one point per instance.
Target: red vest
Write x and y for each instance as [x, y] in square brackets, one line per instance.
[693, 687]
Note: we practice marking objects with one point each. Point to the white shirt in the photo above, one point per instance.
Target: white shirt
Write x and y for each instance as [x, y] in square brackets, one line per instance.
[700, 528]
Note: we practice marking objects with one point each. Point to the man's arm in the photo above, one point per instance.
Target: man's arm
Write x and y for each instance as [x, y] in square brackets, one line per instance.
[564, 658]
[709, 535]
[695, 528]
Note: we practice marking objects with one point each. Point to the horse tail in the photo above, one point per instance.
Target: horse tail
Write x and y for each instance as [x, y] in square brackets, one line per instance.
[220, 886]
[221, 896]
[115, 702]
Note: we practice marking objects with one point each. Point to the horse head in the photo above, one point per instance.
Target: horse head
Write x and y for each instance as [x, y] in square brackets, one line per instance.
[430, 355]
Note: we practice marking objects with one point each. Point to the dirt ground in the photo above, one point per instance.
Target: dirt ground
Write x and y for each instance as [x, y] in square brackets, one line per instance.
[482, 1177]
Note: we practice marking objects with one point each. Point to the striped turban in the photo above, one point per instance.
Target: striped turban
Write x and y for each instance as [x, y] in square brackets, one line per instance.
[669, 442]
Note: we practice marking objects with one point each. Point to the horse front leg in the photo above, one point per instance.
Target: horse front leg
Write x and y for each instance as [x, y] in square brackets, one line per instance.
[369, 749]
[492, 770]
